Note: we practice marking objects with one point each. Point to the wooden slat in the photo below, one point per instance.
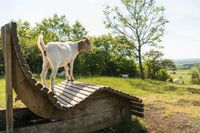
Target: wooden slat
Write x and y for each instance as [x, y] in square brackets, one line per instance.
[68, 100]
[136, 113]
[133, 103]
[64, 102]
[77, 99]
[78, 87]
[68, 90]
[75, 89]
[140, 109]
[96, 87]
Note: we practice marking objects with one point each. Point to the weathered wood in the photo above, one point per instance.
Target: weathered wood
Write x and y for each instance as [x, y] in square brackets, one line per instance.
[75, 98]
[68, 100]
[79, 84]
[75, 89]
[136, 113]
[65, 103]
[85, 88]
[81, 96]
[140, 109]
[83, 124]
[8, 76]
[135, 103]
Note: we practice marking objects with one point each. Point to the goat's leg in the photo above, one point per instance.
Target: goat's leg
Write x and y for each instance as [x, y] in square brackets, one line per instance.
[52, 77]
[71, 70]
[67, 72]
[43, 74]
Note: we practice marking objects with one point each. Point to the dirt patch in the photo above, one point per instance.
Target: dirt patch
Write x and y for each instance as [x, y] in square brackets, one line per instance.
[194, 91]
[196, 103]
[182, 102]
[157, 122]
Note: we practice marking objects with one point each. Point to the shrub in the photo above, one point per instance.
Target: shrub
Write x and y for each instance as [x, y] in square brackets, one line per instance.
[163, 75]
[195, 77]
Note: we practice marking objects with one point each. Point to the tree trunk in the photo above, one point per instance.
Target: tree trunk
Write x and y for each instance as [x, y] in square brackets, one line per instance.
[140, 63]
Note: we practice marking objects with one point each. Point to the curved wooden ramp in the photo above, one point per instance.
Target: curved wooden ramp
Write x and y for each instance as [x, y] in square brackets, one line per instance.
[71, 100]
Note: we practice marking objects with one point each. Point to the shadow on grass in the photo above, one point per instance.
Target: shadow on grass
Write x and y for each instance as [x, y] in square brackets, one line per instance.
[133, 125]
[130, 126]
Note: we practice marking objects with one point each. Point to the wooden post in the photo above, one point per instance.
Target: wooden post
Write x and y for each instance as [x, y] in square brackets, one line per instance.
[8, 77]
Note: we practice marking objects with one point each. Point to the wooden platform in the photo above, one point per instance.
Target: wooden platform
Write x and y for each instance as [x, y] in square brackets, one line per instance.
[86, 104]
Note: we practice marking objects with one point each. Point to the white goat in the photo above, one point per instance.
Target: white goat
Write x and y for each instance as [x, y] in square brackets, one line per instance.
[60, 54]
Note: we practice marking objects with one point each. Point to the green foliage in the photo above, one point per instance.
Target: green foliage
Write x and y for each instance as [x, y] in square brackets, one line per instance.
[163, 75]
[168, 64]
[109, 57]
[195, 75]
[1, 58]
[142, 22]
[155, 67]
[77, 31]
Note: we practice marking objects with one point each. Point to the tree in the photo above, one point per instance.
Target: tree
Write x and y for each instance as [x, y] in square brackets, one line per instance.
[108, 58]
[54, 28]
[57, 28]
[153, 63]
[77, 31]
[142, 22]
[168, 64]
[156, 66]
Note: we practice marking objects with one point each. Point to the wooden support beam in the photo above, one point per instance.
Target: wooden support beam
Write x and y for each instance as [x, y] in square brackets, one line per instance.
[8, 76]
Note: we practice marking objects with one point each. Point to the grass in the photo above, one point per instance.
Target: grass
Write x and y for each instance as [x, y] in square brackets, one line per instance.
[184, 74]
[170, 97]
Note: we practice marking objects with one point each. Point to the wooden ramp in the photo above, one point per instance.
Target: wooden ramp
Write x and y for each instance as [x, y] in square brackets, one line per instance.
[71, 100]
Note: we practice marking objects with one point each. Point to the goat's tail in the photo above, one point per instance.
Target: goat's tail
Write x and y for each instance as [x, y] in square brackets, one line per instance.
[41, 45]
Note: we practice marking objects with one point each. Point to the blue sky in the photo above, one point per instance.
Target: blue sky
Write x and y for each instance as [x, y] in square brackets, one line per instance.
[180, 41]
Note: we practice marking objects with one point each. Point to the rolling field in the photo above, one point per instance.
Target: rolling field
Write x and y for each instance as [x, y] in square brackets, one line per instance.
[160, 98]
[184, 74]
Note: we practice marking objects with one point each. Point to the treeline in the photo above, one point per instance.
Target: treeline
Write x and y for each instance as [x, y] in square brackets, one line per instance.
[111, 55]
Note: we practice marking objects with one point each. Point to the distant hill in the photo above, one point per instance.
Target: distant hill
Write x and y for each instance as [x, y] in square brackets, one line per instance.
[186, 61]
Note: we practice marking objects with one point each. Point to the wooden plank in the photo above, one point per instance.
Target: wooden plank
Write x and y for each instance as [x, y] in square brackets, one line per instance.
[76, 90]
[136, 113]
[77, 99]
[96, 87]
[73, 93]
[139, 109]
[78, 87]
[8, 75]
[66, 104]
[83, 124]
[87, 84]
[133, 103]
[66, 99]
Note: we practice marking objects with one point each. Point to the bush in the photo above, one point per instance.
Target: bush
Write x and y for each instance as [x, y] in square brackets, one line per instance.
[195, 77]
[163, 75]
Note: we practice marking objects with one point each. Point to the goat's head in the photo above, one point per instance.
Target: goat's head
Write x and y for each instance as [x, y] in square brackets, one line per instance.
[84, 45]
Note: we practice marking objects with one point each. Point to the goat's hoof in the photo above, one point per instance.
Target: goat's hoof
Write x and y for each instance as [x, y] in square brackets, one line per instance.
[72, 80]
